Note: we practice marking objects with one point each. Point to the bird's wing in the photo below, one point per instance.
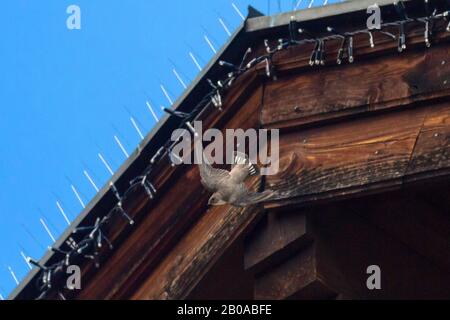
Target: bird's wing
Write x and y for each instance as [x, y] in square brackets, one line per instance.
[241, 160]
[248, 198]
[212, 178]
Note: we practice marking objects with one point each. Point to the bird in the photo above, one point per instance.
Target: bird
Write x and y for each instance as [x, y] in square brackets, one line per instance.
[228, 187]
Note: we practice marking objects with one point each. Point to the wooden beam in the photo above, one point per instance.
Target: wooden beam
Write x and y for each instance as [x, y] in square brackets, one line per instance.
[410, 221]
[295, 278]
[196, 253]
[274, 238]
[346, 158]
[383, 82]
[347, 244]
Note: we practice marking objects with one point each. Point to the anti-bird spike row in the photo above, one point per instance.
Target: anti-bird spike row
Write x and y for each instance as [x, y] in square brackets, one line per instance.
[47, 229]
[166, 94]
[266, 44]
[216, 98]
[91, 181]
[77, 195]
[224, 26]
[344, 51]
[292, 29]
[157, 155]
[148, 186]
[71, 243]
[96, 234]
[223, 63]
[448, 25]
[244, 58]
[149, 106]
[401, 11]
[26, 260]
[66, 255]
[195, 61]
[134, 123]
[119, 203]
[269, 67]
[321, 53]
[63, 213]
[122, 148]
[46, 275]
[211, 46]
[313, 56]
[106, 164]
[350, 49]
[37, 264]
[13, 275]
[446, 15]
[371, 41]
[174, 159]
[177, 114]
[429, 23]
[180, 80]
[238, 11]
[191, 128]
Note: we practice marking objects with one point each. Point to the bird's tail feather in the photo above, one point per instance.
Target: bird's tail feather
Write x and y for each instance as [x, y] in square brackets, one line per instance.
[242, 158]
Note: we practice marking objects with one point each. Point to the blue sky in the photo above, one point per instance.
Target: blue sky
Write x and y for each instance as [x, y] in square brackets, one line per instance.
[65, 94]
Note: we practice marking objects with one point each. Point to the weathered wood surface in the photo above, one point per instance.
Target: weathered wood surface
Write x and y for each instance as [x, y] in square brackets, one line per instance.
[432, 150]
[392, 230]
[315, 163]
[382, 82]
[347, 157]
[373, 152]
[161, 222]
[381, 78]
[295, 277]
[412, 221]
[274, 238]
[196, 252]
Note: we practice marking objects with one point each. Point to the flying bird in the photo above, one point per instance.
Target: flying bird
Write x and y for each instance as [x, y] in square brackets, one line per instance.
[228, 187]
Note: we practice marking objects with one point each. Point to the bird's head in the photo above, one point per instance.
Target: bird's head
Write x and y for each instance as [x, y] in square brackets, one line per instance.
[216, 200]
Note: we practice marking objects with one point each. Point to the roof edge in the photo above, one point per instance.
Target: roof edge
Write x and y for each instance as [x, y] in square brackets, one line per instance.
[267, 22]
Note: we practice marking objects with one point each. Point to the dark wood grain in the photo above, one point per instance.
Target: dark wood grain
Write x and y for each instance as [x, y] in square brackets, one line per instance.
[378, 83]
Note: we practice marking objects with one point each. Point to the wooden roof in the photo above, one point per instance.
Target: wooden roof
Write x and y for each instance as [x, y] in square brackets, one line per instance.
[348, 131]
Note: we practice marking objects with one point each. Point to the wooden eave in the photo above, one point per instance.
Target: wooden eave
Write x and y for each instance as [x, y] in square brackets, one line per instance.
[175, 241]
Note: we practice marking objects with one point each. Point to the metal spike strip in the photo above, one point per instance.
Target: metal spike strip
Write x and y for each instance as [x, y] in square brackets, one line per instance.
[86, 243]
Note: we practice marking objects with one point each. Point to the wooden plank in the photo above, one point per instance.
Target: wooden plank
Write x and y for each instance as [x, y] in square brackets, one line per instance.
[196, 253]
[346, 158]
[227, 279]
[275, 237]
[347, 244]
[161, 222]
[373, 84]
[410, 221]
[289, 278]
[432, 150]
